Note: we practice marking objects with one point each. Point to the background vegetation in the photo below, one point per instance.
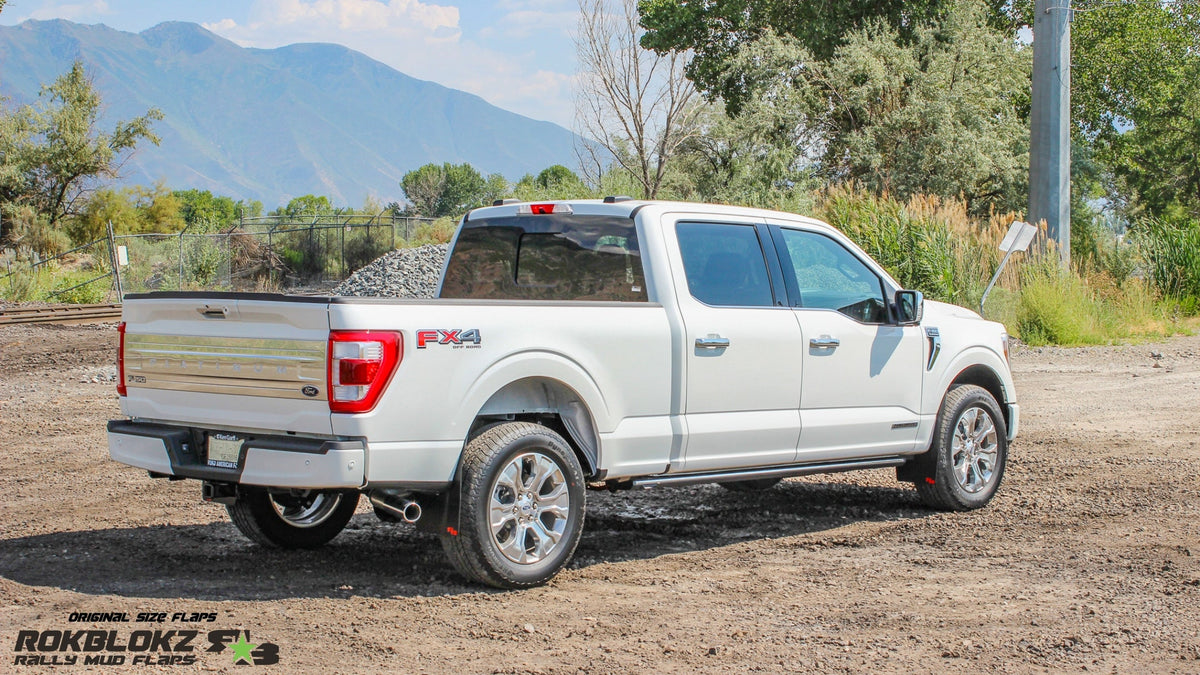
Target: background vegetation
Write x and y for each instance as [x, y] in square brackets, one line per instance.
[904, 124]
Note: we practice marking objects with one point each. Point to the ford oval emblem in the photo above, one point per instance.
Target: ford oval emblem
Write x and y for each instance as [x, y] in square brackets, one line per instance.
[310, 390]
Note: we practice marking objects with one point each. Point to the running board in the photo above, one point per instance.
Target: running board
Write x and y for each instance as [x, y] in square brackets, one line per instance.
[767, 472]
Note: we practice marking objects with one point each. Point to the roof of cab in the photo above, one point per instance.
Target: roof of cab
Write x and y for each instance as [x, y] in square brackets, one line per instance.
[628, 207]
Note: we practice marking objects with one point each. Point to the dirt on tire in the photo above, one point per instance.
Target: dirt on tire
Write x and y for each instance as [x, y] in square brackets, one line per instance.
[1088, 558]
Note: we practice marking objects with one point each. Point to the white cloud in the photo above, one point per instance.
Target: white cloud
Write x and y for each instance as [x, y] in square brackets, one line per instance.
[420, 39]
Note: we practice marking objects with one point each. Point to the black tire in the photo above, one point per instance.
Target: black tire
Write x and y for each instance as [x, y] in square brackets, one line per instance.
[257, 513]
[966, 477]
[521, 552]
[754, 485]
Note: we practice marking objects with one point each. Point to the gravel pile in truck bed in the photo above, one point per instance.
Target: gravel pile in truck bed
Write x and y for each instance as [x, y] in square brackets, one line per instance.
[403, 273]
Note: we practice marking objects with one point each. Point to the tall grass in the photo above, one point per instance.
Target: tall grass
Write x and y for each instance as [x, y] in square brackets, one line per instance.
[1172, 255]
[935, 246]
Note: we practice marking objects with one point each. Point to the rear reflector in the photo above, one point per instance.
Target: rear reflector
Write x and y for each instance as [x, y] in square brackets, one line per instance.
[543, 209]
[361, 364]
[121, 391]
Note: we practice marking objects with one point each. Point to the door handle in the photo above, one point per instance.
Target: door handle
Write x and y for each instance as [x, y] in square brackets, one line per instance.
[824, 342]
[712, 342]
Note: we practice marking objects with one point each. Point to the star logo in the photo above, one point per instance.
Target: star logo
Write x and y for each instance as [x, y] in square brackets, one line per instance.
[241, 649]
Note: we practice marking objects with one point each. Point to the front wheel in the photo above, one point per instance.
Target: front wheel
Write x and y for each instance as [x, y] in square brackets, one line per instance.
[970, 450]
[292, 518]
[521, 507]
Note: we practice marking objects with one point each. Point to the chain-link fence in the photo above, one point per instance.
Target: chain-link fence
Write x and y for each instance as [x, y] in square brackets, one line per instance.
[273, 253]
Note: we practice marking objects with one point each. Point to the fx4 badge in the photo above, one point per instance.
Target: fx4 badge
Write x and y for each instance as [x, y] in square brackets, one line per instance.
[457, 338]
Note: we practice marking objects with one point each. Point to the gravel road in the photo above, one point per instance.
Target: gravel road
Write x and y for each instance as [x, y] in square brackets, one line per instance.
[1088, 559]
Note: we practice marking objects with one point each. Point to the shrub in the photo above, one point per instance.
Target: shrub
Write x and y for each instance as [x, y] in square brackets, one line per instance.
[1172, 254]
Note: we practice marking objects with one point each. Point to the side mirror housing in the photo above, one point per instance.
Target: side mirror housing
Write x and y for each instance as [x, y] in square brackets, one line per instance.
[910, 307]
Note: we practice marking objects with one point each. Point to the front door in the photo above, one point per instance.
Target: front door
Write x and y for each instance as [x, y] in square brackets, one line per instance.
[861, 391]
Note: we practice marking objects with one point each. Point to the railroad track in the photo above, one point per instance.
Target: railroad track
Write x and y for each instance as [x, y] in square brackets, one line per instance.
[61, 314]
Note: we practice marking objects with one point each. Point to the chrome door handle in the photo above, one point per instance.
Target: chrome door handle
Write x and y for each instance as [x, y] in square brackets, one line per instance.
[824, 342]
[712, 342]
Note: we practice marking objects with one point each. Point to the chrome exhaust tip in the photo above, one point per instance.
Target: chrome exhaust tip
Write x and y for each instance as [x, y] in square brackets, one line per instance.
[401, 507]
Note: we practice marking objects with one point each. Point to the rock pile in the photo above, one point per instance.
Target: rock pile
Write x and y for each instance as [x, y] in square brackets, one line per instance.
[403, 273]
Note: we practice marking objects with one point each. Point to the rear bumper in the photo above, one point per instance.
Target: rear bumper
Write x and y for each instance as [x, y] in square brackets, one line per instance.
[275, 461]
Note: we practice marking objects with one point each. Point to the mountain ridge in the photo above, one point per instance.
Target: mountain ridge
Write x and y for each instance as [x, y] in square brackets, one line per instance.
[272, 124]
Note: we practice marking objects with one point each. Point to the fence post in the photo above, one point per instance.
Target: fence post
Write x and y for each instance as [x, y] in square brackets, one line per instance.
[116, 267]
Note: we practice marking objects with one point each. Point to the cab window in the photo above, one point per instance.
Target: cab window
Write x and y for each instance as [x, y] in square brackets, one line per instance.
[828, 276]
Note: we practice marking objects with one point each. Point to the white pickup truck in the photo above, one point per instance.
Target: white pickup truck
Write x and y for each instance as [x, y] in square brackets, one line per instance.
[613, 343]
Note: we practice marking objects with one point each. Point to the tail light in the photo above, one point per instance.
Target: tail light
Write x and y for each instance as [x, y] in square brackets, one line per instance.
[361, 364]
[121, 391]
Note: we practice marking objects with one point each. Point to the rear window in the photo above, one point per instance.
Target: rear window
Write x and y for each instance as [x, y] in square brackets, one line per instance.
[547, 257]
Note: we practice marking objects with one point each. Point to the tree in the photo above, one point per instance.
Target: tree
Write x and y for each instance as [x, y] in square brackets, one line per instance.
[634, 105]
[450, 189]
[1135, 100]
[57, 154]
[306, 205]
[937, 113]
[198, 206]
[716, 31]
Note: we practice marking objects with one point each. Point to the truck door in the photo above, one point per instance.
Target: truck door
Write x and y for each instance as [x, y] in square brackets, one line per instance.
[743, 350]
[862, 377]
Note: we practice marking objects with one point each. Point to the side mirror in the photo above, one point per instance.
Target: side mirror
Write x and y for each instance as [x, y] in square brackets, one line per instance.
[910, 307]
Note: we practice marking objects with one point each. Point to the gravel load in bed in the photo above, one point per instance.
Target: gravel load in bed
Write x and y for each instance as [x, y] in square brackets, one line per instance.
[403, 273]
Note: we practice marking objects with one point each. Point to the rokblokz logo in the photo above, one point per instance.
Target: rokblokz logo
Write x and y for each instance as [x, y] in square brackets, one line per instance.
[158, 647]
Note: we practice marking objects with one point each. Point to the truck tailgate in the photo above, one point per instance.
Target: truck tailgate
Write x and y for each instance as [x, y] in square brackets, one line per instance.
[225, 362]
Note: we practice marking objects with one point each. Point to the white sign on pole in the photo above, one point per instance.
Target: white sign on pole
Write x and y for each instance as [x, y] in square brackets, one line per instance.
[1019, 237]
[122, 256]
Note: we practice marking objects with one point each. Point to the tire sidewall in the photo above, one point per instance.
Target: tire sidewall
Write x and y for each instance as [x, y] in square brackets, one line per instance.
[976, 398]
[550, 445]
[285, 535]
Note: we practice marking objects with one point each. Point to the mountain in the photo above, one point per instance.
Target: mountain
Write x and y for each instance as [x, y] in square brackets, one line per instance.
[272, 124]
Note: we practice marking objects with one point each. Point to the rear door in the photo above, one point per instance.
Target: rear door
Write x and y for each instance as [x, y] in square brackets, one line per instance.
[228, 361]
[862, 373]
[743, 351]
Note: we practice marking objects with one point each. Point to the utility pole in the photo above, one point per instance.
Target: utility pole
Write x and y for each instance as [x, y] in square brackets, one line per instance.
[1050, 123]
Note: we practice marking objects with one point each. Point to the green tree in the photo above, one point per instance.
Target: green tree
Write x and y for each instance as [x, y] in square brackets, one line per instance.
[938, 112]
[450, 189]
[1135, 99]
[423, 188]
[202, 206]
[306, 205]
[557, 175]
[57, 154]
[159, 209]
[104, 206]
[716, 31]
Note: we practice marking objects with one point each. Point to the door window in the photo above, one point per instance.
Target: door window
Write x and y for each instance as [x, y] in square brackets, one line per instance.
[829, 276]
[724, 264]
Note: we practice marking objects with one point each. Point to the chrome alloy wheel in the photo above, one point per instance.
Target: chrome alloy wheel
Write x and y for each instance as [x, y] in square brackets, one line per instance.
[307, 509]
[974, 449]
[528, 508]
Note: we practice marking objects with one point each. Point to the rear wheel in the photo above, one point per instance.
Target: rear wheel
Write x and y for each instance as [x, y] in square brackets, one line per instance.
[970, 449]
[521, 507]
[294, 518]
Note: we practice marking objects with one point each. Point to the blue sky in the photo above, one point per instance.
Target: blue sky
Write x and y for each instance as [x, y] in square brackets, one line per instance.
[517, 54]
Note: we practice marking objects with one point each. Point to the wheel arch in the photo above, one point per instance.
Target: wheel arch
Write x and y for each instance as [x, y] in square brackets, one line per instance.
[985, 378]
[549, 402]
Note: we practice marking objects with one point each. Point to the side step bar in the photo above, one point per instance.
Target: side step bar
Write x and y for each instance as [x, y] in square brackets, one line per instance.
[767, 472]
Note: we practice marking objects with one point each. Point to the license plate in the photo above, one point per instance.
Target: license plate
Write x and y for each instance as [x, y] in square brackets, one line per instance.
[224, 450]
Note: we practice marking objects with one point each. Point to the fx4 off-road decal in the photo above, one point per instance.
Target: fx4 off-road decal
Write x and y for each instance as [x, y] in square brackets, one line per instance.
[457, 338]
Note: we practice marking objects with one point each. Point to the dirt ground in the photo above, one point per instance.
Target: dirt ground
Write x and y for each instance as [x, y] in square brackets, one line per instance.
[1088, 559]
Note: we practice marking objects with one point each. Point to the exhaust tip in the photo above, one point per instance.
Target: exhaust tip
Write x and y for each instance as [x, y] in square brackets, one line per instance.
[401, 507]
